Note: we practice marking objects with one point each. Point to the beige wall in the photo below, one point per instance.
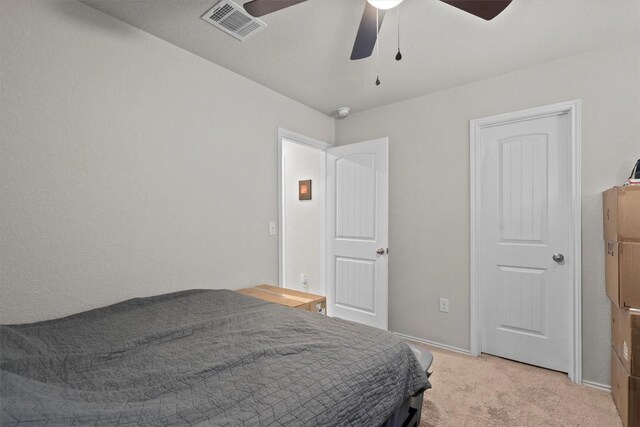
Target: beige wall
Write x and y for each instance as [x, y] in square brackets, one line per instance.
[128, 166]
[429, 185]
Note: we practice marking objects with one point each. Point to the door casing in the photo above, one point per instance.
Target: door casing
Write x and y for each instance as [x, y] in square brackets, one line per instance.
[572, 108]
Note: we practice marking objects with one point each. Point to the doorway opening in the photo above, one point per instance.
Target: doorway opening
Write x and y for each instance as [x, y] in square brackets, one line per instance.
[333, 217]
[301, 212]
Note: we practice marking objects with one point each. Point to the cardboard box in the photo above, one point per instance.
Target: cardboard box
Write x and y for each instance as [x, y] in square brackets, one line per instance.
[625, 338]
[622, 273]
[621, 212]
[625, 391]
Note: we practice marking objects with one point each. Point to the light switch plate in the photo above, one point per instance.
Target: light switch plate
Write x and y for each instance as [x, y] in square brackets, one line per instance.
[272, 228]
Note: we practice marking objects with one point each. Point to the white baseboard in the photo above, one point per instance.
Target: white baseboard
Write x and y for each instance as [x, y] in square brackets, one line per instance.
[598, 386]
[434, 344]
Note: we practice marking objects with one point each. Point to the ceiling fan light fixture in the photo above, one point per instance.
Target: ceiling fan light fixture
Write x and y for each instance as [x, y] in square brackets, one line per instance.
[384, 4]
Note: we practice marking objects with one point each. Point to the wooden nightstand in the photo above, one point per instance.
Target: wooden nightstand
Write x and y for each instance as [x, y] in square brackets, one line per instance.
[289, 297]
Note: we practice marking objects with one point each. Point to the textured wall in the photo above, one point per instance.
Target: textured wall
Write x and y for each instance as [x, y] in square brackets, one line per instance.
[128, 166]
[429, 185]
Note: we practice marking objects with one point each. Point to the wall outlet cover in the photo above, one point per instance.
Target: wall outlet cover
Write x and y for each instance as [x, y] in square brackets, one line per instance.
[444, 305]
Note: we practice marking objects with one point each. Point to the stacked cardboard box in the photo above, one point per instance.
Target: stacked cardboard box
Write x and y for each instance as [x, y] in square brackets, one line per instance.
[621, 211]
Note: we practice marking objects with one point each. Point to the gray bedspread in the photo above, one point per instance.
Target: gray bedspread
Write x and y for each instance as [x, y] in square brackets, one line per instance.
[202, 357]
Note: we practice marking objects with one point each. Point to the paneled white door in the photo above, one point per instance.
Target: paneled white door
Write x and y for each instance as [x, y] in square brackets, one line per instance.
[357, 232]
[526, 289]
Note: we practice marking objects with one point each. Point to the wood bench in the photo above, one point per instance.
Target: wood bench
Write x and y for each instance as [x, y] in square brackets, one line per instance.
[289, 297]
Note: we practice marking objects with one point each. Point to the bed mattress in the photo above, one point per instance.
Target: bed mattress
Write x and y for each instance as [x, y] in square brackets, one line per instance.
[211, 357]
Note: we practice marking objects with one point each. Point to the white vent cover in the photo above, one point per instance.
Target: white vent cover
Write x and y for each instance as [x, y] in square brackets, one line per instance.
[233, 20]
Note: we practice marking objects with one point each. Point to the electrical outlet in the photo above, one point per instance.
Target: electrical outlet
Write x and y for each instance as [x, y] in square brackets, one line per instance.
[444, 305]
[303, 281]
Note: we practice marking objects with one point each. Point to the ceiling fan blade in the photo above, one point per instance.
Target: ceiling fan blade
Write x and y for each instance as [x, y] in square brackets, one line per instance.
[258, 8]
[485, 9]
[367, 33]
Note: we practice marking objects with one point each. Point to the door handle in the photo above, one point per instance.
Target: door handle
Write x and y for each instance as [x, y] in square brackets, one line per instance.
[558, 258]
[380, 251]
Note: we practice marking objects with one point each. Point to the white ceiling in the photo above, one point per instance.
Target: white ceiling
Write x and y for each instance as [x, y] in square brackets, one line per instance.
[304, 53]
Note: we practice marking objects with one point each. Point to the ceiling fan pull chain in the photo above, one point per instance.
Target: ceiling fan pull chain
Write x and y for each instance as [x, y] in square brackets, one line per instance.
[399, 54]
[377, 48]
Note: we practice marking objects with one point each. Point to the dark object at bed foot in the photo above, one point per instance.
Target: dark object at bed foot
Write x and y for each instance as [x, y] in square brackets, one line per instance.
[410, 412]
[408, 415]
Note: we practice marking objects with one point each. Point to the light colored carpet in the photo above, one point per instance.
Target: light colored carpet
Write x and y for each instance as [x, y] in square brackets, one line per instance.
[490, 391]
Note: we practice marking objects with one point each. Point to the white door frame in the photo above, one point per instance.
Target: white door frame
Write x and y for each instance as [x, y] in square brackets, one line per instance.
[572, 108]
[319, 145]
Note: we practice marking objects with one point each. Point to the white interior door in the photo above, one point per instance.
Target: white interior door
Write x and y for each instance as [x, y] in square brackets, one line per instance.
[526, 288]
[357, 232]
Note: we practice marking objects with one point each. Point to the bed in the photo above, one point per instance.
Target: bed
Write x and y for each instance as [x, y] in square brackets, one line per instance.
[203, 357]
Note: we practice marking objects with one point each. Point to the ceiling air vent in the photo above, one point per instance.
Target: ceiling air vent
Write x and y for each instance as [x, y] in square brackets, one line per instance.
[233, 20]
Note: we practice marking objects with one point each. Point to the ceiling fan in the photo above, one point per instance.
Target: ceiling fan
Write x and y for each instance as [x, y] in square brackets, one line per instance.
[374, 13]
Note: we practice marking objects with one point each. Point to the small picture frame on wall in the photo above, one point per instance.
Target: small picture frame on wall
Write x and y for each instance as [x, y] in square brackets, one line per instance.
[304, 190]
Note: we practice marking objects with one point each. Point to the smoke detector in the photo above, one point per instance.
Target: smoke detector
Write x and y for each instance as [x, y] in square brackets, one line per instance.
[343, 112]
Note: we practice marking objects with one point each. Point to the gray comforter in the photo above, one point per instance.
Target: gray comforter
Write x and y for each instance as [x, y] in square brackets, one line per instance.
[202, 357]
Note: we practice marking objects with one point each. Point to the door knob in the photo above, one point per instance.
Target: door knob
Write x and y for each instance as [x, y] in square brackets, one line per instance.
[558, 257]
[380, 251]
